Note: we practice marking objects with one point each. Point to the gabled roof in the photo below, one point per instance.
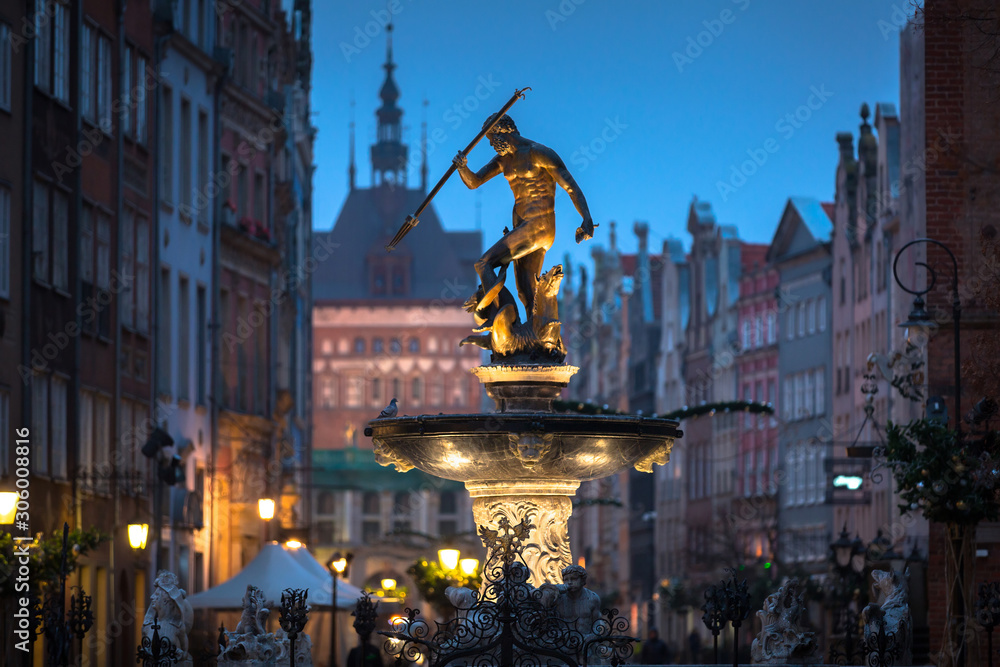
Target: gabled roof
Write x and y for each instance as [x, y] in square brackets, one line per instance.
[804, 225]
[367, 222]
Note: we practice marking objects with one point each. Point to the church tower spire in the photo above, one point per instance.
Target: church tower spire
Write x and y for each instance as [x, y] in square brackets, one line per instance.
[389, 153]
[423, 150]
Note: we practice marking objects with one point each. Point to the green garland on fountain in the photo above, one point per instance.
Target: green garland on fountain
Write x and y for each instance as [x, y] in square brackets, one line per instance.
[686, 412]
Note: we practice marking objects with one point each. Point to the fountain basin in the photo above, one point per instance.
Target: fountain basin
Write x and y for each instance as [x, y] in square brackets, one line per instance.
[523, 446]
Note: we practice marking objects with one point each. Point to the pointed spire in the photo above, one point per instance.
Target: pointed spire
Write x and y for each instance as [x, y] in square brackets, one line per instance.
[352, 169]
[423, 150]
[389, 154]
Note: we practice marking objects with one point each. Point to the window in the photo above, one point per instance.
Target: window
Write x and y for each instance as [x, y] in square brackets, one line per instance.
[395, 346]
[183, 362]
[371, 503]
[328, 396]
[802, 319]
[397, 388]
[60, 52]
[200, 22]
[126, 95]
[746, 334]
[5, 68]
[4, 231]
[102, 430]
[261, 365]
[163, 336]
[355, 391]
[127, 309]
[184, 197]
[359, 345]
[414, 346]
[142, 273]
[88, 44]
[758, 331]
[58, 406]
[259, 201]
[377, 346]
[60, 240]
[241, 192]
[204, 142]
[821, 313]
[43, 46]
[436, 390]
[40, 232]
[790, 323]
[40, 423]
[376, 392]
[201, 353]
[417, 390]
[809, 396]
[140, 99]
[821, 391]
[772, 328]
[104, 83]
[811, 316]
[798, 404]
[167, 144]
[449, 503]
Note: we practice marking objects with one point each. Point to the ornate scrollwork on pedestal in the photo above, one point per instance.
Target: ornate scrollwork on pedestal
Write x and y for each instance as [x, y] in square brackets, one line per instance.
[546, 549]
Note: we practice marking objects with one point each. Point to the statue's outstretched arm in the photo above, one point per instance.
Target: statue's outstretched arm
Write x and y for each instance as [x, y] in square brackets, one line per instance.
[555, 166]
[472, 179]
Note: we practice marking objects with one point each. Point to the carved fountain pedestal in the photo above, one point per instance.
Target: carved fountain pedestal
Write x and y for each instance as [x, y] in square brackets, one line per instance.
[523, 461]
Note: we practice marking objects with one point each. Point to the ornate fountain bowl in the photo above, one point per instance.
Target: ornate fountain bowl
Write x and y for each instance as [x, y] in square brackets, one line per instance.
[522, 447]
[523, 462]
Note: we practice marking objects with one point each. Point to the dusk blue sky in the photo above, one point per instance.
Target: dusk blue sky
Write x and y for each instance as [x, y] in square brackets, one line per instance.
[676, 130]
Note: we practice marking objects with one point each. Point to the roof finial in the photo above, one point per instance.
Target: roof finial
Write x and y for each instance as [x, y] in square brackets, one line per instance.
[352, 169]
[423, 150]
[388, 46]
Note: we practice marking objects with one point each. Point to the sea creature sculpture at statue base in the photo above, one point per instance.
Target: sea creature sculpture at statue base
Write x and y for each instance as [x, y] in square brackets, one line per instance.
[782, 640]
[169, 607]
[888, 624]
[303, 649]
[250, 643]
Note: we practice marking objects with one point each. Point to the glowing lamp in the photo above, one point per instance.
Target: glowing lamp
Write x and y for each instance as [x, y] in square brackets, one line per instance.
[448, 558]
[388, 584]
[8, 507]
[293, 544]
[469, 566]
[265, 507]
[137, 534]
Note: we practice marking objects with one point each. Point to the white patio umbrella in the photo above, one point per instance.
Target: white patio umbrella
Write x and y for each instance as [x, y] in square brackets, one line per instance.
[274, 569]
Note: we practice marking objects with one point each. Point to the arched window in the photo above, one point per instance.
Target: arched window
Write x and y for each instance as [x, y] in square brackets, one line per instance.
[377, 346]
[417, 389]
[395, 346]
[414, 346]
[359, 345]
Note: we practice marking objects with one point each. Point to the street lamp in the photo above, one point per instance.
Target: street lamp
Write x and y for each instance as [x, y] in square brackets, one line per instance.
[848, 557]
[137, 534]
[843, 550]
[920, 322]
[449, 558]
[8, 507]
[339, 564]
[388, 584]
[265, 508]
[919, 319]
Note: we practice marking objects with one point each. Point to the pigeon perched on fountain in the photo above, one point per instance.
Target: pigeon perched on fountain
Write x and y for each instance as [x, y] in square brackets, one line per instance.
[389, 411]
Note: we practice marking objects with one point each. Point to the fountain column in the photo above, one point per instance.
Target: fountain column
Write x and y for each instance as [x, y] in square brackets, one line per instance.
[546, 505]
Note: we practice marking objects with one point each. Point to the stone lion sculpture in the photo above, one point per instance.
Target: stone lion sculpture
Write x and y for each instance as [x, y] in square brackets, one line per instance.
[782, 639]
[168, 606]
[892, 607]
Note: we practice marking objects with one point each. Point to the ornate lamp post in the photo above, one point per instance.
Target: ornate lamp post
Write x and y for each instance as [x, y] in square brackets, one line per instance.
[339, 564]
[848, 558]
[920, 322]
[265, 508]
